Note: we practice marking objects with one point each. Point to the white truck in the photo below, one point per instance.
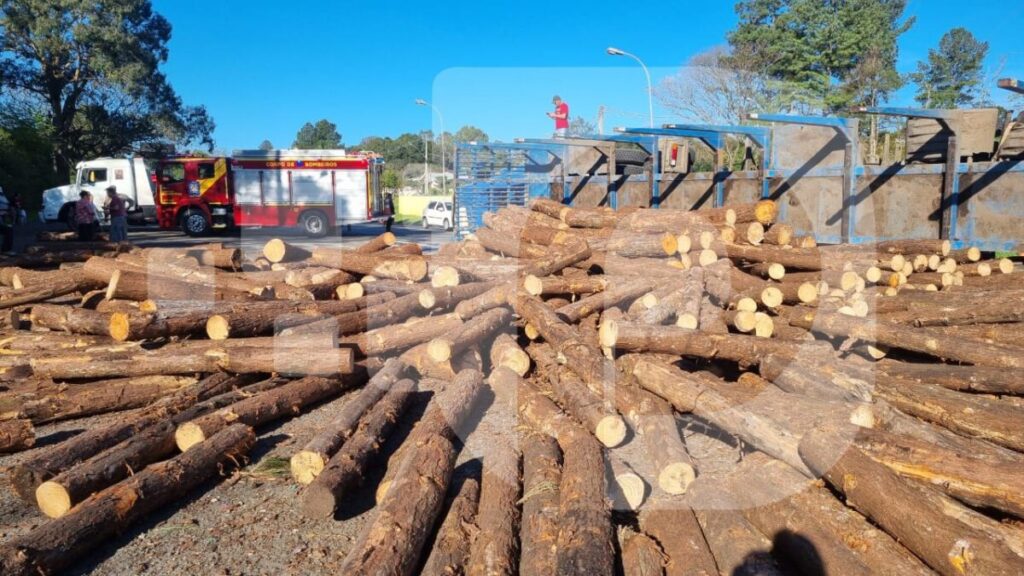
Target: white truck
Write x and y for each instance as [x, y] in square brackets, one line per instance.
[131, 176]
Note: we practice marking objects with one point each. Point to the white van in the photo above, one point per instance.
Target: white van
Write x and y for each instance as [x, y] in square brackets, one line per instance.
[131, 176]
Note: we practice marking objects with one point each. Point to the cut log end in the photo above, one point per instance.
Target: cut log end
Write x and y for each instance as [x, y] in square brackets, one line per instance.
[533, 285]
[439, 350]
[807, 293]
[306, 466]
[1006, 266]
[275, 250]
[744, 321]
[676, 478]
[188, 435]
[863, 416]
[218, 327]
[746, 304]
[669, 244]
[53, 499]
[608, 333]
[611, 431]
[515, 360]
[707, 258]
[632, 489]
[351, 291]
[427, 299]
[687, 320]
[776, 271]
[318, 501]
[445, 276]
[120, 326]
[772, 297]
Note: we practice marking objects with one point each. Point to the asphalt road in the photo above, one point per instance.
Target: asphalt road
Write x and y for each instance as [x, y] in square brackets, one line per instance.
[251, 240]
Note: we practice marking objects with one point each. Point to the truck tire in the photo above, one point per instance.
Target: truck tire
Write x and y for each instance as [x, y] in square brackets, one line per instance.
[314, 224]
[194, 223]
[67, 216]
[630, 161]
[447, 225]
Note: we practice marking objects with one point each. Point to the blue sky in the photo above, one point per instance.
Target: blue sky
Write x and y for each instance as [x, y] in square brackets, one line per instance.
[264, 68]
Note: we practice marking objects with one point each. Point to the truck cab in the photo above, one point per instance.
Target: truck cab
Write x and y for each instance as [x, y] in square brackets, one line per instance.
[194, 194]
[131, 176]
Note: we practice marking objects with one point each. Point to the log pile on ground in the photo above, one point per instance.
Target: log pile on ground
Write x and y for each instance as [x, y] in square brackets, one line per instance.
[647, 392]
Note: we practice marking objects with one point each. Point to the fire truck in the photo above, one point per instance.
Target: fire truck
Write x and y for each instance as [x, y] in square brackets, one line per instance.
[315, 190]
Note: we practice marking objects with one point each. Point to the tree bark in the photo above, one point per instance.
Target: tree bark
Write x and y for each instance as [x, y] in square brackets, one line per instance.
[983, 379]
[393, 543]
[69, 319]
[745, 350]
[542, 473]
[584, 544]
[614, 295]
[641, 554]
[978, 482]
[31, 295]
[394, 337]
[345, 470]
[51, 403]
[958, 541]
[308, 462]
[411, 267]
[505, 351]
[455, 536]
[921, 340]
[676, 530]
[738, 547]
[691, 394]
[16, 435]
[208, 359]
[495, 549]
[564, 285]
[58, 544]
[261, 409]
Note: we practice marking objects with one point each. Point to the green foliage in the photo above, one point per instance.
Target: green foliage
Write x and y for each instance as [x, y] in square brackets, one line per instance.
[580, 126]
[320, 136]
[470, 134]
[92, 69]
[408, 148]
[952, 75]
[830, 54]
[391, 179]
[266, 145]
[26, 160]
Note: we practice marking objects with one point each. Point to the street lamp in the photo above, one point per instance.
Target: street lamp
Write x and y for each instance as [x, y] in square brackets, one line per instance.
[650, 89]
[444, 179]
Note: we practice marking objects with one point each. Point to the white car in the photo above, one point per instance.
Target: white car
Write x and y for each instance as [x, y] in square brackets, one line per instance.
[438, 213]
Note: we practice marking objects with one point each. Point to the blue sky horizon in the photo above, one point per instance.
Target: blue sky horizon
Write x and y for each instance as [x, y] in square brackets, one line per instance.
[263, 69]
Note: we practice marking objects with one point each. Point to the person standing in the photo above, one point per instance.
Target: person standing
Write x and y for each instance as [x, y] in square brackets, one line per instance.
[560, 116]
[85, 217]
[118, 215]
[389, 210]
[7, 217]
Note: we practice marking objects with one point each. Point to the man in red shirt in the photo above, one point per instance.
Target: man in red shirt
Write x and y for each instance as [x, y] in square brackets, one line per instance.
[560, 116]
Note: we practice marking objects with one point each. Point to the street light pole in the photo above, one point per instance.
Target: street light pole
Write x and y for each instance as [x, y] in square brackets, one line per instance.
[440, 117]
[650, 88]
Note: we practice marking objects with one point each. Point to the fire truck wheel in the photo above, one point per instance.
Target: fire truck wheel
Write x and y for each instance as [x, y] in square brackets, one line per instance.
[194, 223]
[314, 224]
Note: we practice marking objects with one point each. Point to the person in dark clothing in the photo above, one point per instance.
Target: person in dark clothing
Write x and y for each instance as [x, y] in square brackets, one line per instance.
[389, 210]
[85, 217]
[7, 218]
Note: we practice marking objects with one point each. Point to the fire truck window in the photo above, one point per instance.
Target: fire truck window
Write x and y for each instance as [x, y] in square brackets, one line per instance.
[96, 175]
[171, 173]
[205, 171]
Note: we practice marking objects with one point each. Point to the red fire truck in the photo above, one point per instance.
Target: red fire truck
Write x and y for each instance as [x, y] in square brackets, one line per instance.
[313, 189]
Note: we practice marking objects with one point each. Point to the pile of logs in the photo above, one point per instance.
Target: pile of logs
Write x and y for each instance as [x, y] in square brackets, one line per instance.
[743, 400]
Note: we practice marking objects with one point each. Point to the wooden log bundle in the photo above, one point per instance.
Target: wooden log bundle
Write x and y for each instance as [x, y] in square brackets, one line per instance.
[706, 372]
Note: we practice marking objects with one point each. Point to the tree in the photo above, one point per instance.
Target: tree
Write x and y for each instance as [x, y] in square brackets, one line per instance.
[92, 69]
[391, 180]
[470, 133]
[580, 126]
[26, 159]
[816, 47]
[266, 145]
[952, 75]
[320, 136]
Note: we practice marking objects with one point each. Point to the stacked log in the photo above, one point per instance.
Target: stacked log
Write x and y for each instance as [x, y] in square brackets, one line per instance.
[651, 391]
